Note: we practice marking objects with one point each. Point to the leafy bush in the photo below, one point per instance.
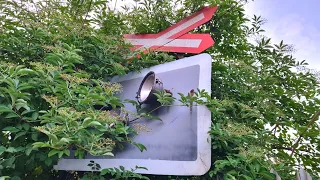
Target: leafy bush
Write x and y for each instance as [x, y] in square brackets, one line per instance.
[57, 101]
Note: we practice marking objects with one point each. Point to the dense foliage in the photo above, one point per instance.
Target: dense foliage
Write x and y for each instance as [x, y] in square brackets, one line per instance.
[52, 68]
[55, 56]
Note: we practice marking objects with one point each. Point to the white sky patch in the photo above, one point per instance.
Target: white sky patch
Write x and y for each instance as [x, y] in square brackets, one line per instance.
[117, 4]
[292, 28]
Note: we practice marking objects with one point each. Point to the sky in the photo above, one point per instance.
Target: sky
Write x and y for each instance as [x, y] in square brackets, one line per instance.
[295, 22]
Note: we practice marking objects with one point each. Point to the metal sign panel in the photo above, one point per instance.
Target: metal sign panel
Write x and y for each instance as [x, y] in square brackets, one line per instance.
[177, 145]
[303, 175]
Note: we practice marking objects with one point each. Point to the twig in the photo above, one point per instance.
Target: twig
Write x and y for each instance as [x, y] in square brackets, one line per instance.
[115, 5]
[156, 109]
[313, 119]
[85, 18]
[148, 113]
[273, 129]
[291, 149]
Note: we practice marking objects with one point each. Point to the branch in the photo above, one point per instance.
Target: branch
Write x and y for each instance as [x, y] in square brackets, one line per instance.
[291, 149]
[274, 129]
[313, 119]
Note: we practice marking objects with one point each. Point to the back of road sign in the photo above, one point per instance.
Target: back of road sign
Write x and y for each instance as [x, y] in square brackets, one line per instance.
[177, 145]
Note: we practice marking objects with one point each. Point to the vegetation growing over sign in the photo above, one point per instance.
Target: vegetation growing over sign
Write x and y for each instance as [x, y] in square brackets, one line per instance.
[54, 56]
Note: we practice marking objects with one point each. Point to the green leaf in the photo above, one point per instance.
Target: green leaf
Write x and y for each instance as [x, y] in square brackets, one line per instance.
[26, 87]
[26, 126]
[268, 175]
[2, 149]
[12, 115]
[4, 109]
[34, 136]
[122, 168]
[246, 177]
[48, 162]
[140, 146]
[43, 156]
[97, 97]
[35, 115]
[94, 123]
[66, 152]
[24, 105]
[139, 167]
[64, 140]
[40, 144]
[11, 129]
[53, 152]
[20, 134]
[25, 71]
[4, 177]
[104, 172]
[135, 103]
[61, 154]
[15, 178]
[20, 148]
[26, 111]
[108, 154]
[28, 151]
[11, 150]
[9, 162]
[86, 121]
[80, 153]
[53, 137]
